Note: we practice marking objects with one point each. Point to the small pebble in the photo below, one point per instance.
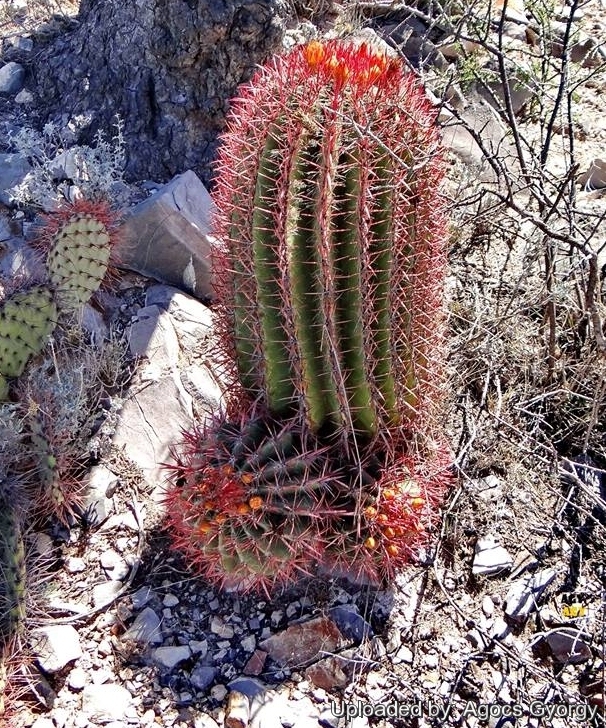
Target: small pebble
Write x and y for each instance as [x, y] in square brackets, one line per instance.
[218, 693]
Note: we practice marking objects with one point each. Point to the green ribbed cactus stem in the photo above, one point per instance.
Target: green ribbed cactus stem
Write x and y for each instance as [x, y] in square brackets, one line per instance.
[27, 318]
[12, 571]
[331, 225]
[58, 492]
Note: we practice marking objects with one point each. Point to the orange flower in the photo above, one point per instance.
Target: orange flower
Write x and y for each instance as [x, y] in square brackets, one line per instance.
[314, 53]
[243, 509]
[370, 543]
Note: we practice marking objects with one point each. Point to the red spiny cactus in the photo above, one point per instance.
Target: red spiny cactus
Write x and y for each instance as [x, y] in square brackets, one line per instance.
[331, 228]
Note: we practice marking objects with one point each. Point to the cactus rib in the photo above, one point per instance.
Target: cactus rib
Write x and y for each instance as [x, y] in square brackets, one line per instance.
[305, 266]
[278, 378]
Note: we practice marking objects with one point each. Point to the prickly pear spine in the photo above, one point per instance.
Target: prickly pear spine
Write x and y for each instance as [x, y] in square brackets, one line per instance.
[331, 223]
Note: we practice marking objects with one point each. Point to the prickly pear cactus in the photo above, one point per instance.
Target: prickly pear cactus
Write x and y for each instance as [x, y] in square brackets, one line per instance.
[332, 232]
[79, 240]
[27, 318]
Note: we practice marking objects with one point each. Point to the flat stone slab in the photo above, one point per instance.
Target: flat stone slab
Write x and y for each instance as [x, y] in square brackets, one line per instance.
[151, 421]
[167, 236]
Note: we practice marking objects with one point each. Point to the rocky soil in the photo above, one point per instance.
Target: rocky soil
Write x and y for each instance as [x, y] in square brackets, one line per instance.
[501, 622]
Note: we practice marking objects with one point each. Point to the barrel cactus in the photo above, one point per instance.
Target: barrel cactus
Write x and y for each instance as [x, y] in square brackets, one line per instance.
[331, 237]
[329, 269]
[248, 509]
[258, 502]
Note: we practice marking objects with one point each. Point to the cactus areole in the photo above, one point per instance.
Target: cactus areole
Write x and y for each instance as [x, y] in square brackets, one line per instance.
[331, 241]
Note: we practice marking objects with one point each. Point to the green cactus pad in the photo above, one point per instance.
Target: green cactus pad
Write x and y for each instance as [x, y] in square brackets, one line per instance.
[78, 260]
[27, 318]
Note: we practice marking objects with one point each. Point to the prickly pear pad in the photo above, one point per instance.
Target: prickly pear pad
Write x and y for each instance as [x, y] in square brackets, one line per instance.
[79, 243]
[27, 318]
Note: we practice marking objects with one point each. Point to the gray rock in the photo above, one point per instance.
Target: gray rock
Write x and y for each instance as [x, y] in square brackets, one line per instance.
[77, 678]
[106, 702]
[166, 237]
[170, 600]
[101, 482]
[247, 686]
[595, 177]
[569, 646]
[114, 565]
[171, 655]
[75, 564]
[489, 488]
[13, 169]
[218, 693]
[11, 78]
[478, 117]
[191, 318]
[43, 722]
[268, 709]
[106, 592]
[145, 629]
[24, 97]
[202, 385]
[218, 627]
[490, 558]
[142, 596]
[524, 594]
[248, 643]
[21, 43]
[351, 623]
[520, 93]
[328, 719]
[202, 676]
[151, 421]
[488, 606]
[404, 654]
[153, 336]
[56, 646]
[17, 258]
[203, 720]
